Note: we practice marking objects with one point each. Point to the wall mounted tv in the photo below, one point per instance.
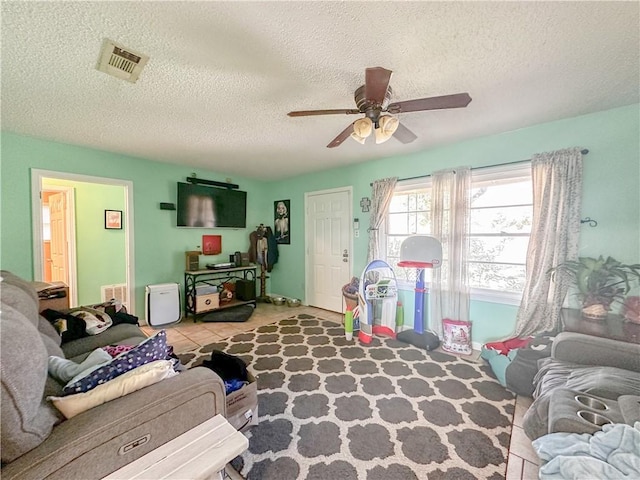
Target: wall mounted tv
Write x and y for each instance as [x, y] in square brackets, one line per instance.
[200, 206]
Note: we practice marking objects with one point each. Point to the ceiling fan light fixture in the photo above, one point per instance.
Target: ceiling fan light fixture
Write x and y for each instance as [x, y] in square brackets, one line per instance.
[362, 129]
[387, 127]
[358, 138]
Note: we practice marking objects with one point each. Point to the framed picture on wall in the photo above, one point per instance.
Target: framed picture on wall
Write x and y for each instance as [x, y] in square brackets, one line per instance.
[113, 219]
[281, 211]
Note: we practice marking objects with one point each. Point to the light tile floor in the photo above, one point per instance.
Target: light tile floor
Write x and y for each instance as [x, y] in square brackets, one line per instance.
[189, 335]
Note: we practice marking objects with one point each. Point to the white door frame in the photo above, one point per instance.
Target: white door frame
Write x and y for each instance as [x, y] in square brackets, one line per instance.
[37, 177]
[307, 232]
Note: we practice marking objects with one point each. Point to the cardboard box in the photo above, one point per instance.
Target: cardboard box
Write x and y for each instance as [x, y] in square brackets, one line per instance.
[55, 299]
[242, 406]
[207, 302]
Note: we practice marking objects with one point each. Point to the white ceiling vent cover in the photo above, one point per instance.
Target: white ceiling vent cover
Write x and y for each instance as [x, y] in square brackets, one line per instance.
[120, 61]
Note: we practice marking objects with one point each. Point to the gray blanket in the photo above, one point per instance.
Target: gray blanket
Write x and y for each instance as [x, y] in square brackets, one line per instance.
[613, 453]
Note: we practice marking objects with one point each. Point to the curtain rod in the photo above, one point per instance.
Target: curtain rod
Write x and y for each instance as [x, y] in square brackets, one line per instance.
[583, 151]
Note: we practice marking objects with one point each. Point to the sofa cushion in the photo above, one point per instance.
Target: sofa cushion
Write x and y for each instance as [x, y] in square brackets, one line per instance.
[122, 334]
[607, 382]
[27, 419]
[131, 381]
[50, 337]
[19, 294]
[153, 348]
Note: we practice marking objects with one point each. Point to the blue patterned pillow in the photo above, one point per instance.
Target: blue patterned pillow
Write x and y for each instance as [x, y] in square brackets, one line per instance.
[153, 348]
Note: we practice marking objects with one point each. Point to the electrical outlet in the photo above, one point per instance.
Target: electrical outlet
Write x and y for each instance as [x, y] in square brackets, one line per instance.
[356, 233]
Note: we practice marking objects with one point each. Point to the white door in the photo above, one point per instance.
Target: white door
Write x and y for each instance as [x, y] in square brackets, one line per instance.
[59, 241]
[328, 233]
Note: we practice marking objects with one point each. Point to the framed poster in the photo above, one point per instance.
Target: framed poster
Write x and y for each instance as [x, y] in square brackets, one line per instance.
[113, 219]
[281, 221]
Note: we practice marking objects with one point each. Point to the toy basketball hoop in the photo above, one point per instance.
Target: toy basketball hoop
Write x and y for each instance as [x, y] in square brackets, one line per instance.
[419, 252]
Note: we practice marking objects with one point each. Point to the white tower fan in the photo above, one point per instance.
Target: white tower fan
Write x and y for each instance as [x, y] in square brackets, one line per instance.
[162, 304]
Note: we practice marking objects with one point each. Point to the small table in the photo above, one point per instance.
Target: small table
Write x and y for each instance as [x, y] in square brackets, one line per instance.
[200, 453]
[193, 279]
[614, 327]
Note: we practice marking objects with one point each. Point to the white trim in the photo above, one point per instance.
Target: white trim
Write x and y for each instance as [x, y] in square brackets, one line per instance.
[413, 184]
[496, 296]
[307, 270]
[37, 177]
[501, 172]
[476, 294]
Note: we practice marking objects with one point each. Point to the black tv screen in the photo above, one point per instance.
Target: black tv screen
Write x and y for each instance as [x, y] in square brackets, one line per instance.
[200, 206]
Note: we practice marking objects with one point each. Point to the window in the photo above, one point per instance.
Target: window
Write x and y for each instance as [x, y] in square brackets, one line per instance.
[409, 214]
[500, 226]
[46, 223]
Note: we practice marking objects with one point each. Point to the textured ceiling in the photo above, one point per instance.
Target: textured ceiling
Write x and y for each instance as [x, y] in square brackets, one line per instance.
[223, 75]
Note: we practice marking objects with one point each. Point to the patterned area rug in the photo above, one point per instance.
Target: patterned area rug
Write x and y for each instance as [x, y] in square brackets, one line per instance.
[337, 410]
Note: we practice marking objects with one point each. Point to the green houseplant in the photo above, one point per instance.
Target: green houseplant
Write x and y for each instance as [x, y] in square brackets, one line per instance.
[599, 282]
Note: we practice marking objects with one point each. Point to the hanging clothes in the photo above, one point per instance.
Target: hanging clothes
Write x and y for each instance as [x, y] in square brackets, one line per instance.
[263, 247]
[254, 236]
[272, 249]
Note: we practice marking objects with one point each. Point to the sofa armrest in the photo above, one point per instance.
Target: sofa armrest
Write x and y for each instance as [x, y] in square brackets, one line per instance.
[105, 438]
[589, 350]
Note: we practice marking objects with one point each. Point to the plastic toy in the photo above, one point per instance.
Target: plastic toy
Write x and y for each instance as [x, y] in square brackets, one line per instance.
[419, 252]
[348, 324]
[377, 289]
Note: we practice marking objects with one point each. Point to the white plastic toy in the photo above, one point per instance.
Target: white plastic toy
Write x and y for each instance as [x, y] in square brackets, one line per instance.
[377, 290]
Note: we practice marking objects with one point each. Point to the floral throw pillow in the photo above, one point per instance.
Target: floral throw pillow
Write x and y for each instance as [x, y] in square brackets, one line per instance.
[151, 349]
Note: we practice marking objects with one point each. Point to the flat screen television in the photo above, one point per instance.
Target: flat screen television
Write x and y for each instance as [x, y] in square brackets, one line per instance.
[200, 206]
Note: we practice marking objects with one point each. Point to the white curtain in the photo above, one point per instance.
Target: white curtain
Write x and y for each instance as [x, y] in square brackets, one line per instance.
[382, 192]
[449, 297]
[557, 190]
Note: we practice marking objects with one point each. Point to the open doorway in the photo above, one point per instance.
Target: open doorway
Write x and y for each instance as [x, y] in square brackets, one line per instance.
[58, 235]
[71, 241]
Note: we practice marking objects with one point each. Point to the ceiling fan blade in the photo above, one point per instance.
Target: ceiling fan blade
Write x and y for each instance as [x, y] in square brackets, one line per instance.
[376, 84]
[306, 113]
[346, 133]
[404, 135]
[457, 100]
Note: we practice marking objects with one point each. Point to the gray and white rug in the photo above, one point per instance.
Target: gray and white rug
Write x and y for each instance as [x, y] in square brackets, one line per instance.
[337, 410]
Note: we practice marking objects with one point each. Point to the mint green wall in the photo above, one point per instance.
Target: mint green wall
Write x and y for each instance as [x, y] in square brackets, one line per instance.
[100, 253]
[611, 194]
[159, 244]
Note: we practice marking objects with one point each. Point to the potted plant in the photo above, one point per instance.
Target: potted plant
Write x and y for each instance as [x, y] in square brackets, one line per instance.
[599, 282]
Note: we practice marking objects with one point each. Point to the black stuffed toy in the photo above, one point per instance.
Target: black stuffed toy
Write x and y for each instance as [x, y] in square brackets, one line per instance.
[228, 367]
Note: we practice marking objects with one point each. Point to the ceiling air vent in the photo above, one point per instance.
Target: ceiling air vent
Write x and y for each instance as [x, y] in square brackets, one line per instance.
[120, 61]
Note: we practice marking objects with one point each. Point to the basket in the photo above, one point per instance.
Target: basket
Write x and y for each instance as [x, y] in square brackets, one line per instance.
[351, 299]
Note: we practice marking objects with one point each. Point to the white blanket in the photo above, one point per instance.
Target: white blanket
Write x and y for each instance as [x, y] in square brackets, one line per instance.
[612, 453]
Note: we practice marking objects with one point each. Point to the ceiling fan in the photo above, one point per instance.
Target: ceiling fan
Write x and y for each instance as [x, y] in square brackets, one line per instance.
[372, 100]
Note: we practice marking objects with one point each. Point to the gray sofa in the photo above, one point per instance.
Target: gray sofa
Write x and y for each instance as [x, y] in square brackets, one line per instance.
[38, 443]
[607, 371]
